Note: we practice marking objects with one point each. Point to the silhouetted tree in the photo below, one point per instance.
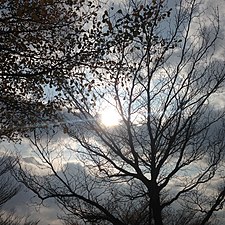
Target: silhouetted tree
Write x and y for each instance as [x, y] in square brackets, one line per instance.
[8, 186]
[11, 219]
[160, 72]
[41, 44]
[8, 189]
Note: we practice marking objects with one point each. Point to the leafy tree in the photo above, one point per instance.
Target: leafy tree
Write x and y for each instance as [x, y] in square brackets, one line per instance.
[159, 70]
[41, 43]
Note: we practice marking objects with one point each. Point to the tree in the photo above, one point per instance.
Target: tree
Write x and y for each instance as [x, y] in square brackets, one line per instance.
[41, 42]
[12, 220]
[160, 72]
[8, 188]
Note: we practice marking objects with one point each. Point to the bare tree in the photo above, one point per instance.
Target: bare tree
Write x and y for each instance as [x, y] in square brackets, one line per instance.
[8, 186]
[8, 189]
[11, 219]
[160, 72]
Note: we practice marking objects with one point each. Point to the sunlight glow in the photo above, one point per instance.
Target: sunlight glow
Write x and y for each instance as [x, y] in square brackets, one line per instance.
[110, 117]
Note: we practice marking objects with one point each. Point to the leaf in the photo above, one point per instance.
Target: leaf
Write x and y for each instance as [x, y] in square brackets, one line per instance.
[106, 13]
[110, 25]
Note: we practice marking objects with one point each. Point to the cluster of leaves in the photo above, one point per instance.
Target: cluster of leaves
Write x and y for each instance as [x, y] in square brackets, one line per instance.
[139, 27]
[41, 44]
[125, 34]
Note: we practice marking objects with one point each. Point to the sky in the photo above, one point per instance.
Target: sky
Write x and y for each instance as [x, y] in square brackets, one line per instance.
[23, 203]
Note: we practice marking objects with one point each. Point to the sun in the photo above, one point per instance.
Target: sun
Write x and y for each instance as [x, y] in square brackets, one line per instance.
[110, 117]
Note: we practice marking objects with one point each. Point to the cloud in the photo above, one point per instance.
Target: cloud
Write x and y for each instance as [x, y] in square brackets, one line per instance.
[25, 204]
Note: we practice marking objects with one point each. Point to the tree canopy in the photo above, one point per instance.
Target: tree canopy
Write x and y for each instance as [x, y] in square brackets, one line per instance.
[40, 46]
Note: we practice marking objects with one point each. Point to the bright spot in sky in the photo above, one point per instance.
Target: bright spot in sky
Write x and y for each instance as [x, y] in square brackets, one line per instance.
[110, 117]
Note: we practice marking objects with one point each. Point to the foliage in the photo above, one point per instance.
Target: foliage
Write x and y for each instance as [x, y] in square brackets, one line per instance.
[41, 44]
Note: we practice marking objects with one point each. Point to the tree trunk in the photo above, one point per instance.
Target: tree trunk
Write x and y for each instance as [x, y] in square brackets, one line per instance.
[155, 205]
